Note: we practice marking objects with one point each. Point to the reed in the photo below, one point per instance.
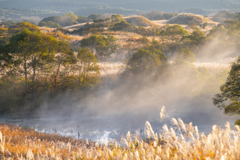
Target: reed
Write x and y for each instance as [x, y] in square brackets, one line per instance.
[183, 142]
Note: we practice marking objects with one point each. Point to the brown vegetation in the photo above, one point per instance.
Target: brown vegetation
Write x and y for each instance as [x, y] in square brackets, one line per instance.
[19, 143]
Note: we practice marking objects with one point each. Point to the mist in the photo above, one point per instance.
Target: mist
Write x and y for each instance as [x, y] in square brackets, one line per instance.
[117, 107]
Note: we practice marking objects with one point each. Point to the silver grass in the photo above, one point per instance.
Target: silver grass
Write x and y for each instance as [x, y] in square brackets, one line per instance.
[237, 128]
[30, 155]
[148, 130]
[175, 122]
[128, 135]
[154, 144]
[196, 132]
[124, 141]
[159, 150]
[182, 124]
[157, 158]
[173, 133]
[228, 128]
[165, 128]
[96, 144]
[191, 136]
[136, 155]
[162, 113]
[1, 137]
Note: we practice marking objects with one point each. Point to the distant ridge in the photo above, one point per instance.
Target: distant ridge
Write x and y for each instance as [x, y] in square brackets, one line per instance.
[106, 10]
[186, 18]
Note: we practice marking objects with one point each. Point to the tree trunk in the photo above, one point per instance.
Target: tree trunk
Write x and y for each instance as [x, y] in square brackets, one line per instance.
[56, 76]
[26, 76]
[33, 82]
[79, 77]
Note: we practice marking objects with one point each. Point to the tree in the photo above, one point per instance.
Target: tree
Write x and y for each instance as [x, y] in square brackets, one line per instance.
[114, 19]
[2, 30]
[87, 67]
[197, 35]
[18, 46]
[104, 46]
[123, 26]
[4, 36]
[229, 98]
[185, 54]
[32, 50]
[6, 60]
[146, 61]
[192, 41]
[93, 16]
[21, 25]
[89, 42]
[49, 24]
[83, 19]
[175, 30]
[63, 57]
[67, 19]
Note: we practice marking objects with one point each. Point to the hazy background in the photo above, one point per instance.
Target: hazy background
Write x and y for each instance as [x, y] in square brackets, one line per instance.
[10, 9]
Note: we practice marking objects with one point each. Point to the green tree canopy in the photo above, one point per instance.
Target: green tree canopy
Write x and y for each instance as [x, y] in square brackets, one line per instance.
[229, 98]
[93, 16]
[88, 66]
[104, 46]
[116, 18]
[64, 56]
[32, 50]
[146, 61]
[175, 30]
[123, 26]
[49, 24]
[185, 54]
[83, 19]
[67, 19]
[197, 35]
[21, 25]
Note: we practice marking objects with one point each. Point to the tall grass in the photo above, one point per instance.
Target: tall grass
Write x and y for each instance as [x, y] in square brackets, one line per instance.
[180, 141]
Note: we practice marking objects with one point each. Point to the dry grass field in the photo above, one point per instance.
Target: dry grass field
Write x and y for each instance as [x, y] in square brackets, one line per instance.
[179, 142]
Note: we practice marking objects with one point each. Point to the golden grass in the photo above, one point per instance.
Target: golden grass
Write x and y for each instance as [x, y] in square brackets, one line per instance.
[111, 69]
[220, 144]
[20, 143]
[46, 29]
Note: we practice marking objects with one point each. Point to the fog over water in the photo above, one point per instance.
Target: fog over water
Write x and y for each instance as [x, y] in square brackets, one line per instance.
[110, 112]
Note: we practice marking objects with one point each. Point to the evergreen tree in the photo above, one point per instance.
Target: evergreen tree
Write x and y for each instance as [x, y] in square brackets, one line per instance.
[229, 98]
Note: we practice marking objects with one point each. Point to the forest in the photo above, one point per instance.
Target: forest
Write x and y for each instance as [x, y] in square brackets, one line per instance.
[36, 63]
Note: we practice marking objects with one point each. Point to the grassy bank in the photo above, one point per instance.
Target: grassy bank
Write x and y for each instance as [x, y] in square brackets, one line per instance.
[23, 143]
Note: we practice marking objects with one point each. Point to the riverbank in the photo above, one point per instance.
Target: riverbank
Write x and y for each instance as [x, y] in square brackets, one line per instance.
[24, 143]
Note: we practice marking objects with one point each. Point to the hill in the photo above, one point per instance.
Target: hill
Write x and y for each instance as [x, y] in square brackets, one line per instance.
[139, 21]
[67, 19]
[187, 18]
